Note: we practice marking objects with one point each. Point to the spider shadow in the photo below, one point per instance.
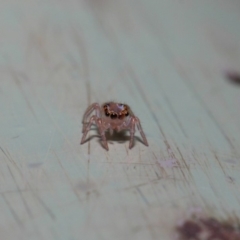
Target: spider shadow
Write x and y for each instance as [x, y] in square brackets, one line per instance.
[120, 137]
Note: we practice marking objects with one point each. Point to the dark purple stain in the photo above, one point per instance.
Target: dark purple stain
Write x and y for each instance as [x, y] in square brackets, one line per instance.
[233, 77]
[211, 228]
[189, 230]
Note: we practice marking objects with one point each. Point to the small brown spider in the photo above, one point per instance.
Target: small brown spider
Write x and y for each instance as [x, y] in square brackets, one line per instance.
[111, 116]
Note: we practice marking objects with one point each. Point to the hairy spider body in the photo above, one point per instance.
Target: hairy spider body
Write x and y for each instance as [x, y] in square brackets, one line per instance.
[111, 116]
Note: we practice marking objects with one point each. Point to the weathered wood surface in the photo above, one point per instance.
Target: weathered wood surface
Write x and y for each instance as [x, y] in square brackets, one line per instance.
[167, 60]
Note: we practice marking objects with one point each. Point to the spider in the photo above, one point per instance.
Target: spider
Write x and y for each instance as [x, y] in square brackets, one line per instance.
[111, 116]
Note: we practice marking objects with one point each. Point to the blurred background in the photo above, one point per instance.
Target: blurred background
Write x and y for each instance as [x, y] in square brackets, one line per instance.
[175, 63]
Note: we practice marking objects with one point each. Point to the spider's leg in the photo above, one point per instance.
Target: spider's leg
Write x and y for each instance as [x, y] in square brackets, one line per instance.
[87, 128]
[101, 130]
[132, 131]
[90, 109]
[141, 131]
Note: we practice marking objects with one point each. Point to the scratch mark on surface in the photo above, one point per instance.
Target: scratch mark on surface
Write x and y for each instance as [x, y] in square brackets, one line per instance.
[21, 195]
[154, 181]
[48, 210]
[220, 164]
[8, 157]
[67, 176]
[138, 163]
[15, 216]
[49, 146]
[3, 152]
[183, 159]
[85, 68]
[88, 86]
[126, 148]
[18, 83]
[184, 77]
[158, 177]
[70, 144]
[146, 173]
[134, 78]
[171, 161]
[142, 196]
[186, 166]
[189, 84]
[175, 115]
[163, 171]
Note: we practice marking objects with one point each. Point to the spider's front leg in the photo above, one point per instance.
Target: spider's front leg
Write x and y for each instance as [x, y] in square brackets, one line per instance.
[101, 129]
[93, 107]
[132, 131]
[141, 131]
[87, 127]
[135, 121]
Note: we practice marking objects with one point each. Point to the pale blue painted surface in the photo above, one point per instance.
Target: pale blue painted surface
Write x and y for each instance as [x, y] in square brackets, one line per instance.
[167, 61]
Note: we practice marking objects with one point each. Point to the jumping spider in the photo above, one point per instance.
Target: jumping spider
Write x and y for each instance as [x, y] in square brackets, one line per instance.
[111, 116]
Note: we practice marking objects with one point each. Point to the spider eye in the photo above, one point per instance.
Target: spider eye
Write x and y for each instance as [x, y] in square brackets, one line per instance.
[106, 106]
[107, 114]
[121, 116]
[113, 115]
[127, 113]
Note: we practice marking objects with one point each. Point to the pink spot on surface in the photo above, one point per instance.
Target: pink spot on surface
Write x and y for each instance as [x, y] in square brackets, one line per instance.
[195, 210]
[168, 163]
[231, 161]
[35, 165]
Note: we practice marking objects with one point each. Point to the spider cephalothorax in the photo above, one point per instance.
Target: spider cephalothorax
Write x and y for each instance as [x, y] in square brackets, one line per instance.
[111, 116]
[116, 110]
